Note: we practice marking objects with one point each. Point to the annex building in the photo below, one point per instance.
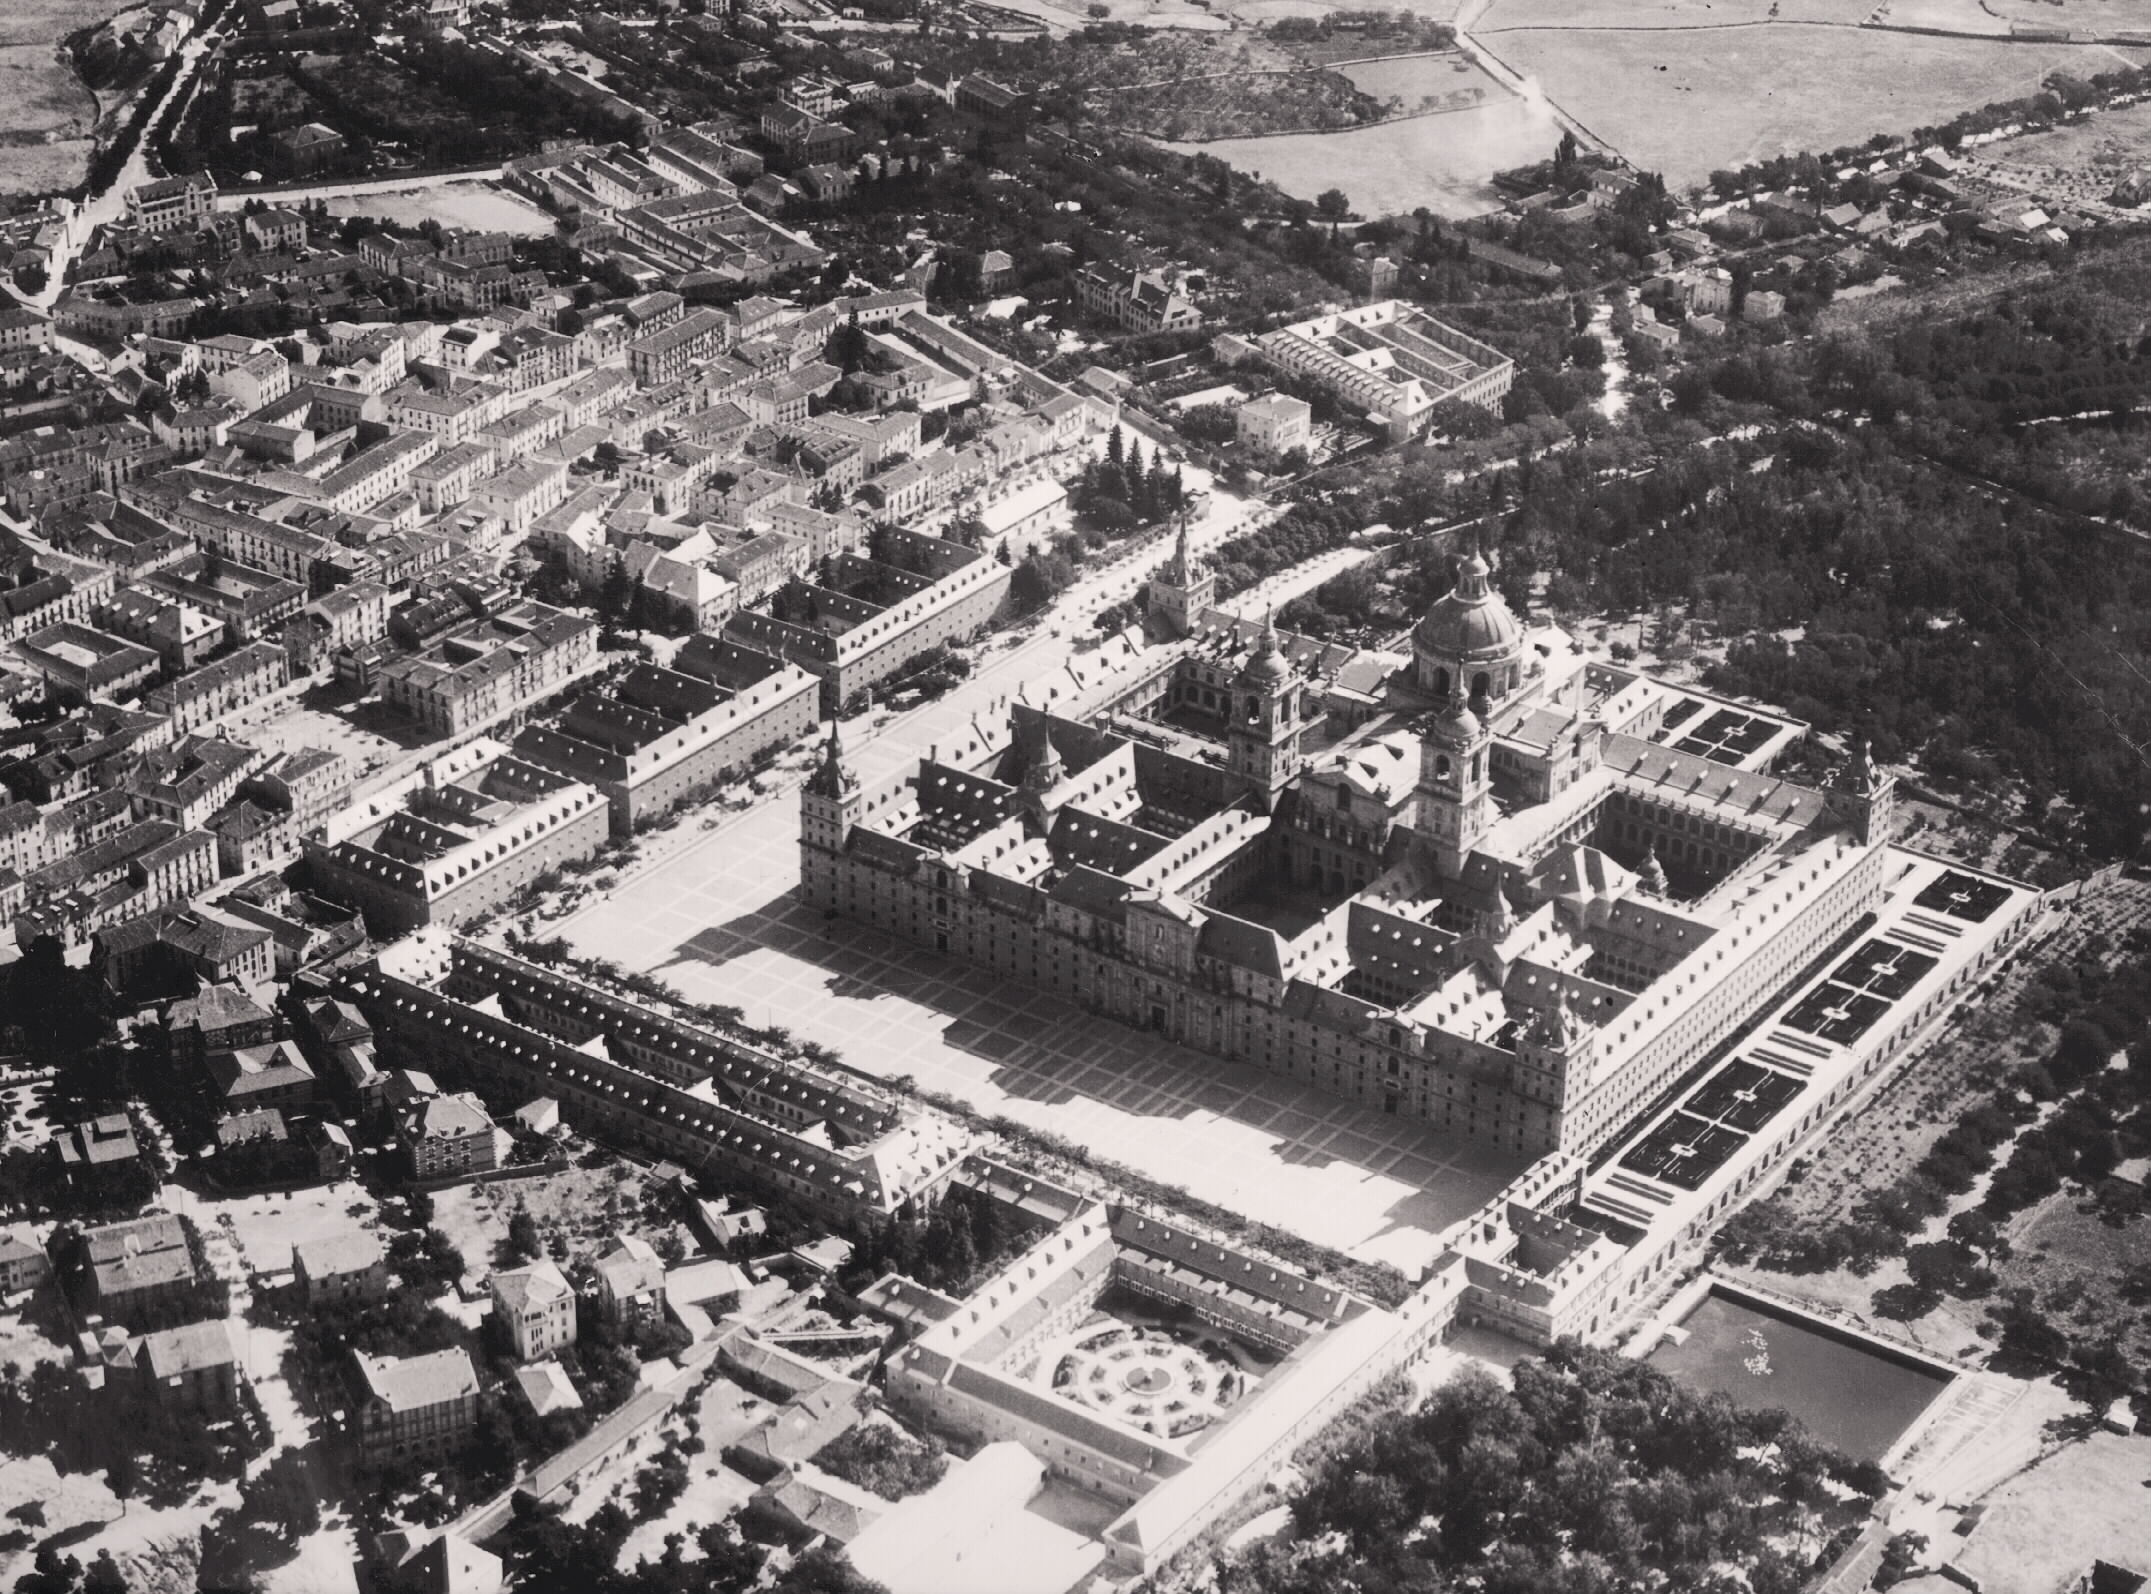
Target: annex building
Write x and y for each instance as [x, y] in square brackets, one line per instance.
[705, 1100]
[1389, 360]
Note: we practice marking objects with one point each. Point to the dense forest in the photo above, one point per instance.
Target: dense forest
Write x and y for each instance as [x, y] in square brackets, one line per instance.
[1595, 1472]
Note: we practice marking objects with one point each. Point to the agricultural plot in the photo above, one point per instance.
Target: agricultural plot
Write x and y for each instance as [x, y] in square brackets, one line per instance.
[1500, 16]
[1687, 102]
[45, 113]
[1441, 162]
[2082, 162]
[1417, 84]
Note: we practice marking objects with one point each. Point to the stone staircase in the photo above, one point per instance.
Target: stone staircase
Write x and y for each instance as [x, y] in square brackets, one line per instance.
[1984, 1435]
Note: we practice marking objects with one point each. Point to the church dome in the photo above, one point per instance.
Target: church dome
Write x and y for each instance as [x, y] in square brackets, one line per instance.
[1457, 724]
[1267, 665]
[1471, 621]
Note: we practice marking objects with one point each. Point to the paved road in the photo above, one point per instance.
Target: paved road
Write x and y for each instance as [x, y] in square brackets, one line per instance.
[236, 198]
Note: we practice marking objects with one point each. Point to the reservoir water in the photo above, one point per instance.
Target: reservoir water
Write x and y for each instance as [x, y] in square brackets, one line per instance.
[1844, 1390]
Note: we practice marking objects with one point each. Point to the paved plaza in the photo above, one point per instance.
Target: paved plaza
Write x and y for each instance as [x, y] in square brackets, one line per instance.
[718, 921]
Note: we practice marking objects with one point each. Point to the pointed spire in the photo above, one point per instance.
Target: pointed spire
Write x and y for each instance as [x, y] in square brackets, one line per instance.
[1555, 1027]
[1858, 774]
[1183, 555]
[1267, 664]
[1500, 919]
[1045, 770]
[833, 777]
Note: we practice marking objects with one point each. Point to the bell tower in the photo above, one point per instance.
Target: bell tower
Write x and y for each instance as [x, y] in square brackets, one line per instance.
[1456, 806]
[1264, 736]
[829, 805]
[1862, 795]
[1184, 588]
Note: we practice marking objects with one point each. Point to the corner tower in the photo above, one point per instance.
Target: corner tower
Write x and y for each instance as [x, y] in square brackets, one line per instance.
[829, 805]
[1184, 588]
[1555, 1053]
[1862, 796]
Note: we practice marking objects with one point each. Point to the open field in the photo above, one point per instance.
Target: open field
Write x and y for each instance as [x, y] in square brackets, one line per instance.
[1686, 103]
[337, 729]
[1442, 161]
[2041, 1529]
[2086, 18]
[157, 1548]
[1253, 12]
[45, 112]
[590, 1207]
[1501, 16]
[268, 1225]
[477, 205]
[1423, 82]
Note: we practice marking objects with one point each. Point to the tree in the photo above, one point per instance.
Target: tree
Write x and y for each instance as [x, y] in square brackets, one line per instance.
[825, 1570]
[524, 1242]
[618, 591]
[1332, 205]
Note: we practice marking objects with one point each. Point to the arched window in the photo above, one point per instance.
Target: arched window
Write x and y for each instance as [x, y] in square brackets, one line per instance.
[1441, 682]
[1481, 684]
[1441, 767]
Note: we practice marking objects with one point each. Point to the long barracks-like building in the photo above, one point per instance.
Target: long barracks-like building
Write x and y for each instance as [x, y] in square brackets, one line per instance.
[1513, 892]
[705, 1100]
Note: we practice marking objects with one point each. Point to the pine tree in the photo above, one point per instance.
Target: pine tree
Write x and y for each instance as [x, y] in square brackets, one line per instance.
[1158, 488]
[1116, 448]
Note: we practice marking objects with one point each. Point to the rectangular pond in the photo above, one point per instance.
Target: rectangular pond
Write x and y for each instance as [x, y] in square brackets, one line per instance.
[1846, 1390]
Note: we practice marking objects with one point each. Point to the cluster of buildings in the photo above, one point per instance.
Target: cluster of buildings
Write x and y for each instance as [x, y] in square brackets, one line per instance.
[1388, 361]
[115, 814]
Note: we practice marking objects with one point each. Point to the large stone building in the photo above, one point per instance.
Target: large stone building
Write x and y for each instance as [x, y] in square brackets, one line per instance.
[479, 826]
[656, 738]
[536, 1307]
[485, 669]
[1389, 360]
[1518, 899]
[412, 1408]
[692, 1095]
[875, 618]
